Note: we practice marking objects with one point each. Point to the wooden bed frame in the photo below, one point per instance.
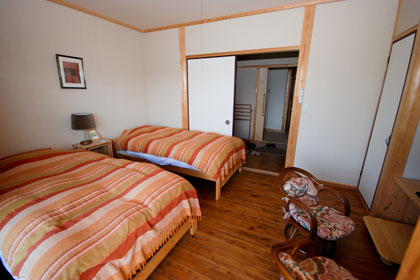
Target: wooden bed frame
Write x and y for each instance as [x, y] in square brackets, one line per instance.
[164, 250]
[189, 172]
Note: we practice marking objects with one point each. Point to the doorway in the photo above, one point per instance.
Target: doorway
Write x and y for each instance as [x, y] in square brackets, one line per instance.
[276, 121]
[263, 104]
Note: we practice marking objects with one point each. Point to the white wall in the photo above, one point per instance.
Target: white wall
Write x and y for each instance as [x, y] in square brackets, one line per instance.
[276, 29]
[163, 77]
[276, 91]
[346, 68]
[409, 15]
[412, 167]
[35, 111]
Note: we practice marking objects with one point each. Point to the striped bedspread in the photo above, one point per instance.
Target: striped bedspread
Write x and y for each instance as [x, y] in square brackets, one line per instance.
[79, 214]
[211, 153]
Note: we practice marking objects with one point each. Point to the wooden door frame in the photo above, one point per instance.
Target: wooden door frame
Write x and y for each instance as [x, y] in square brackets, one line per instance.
[254, 116]
[287, 96]
[303, 48]
[257, 87]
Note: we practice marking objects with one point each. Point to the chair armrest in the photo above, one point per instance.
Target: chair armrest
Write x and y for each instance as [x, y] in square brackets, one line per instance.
[292, 245]
[341, 197]
[296, 171]
[308, 212]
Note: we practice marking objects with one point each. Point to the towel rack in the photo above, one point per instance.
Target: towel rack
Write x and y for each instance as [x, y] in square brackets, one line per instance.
[243, 112]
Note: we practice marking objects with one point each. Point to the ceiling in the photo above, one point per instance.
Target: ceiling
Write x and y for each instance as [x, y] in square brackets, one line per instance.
[148, 14]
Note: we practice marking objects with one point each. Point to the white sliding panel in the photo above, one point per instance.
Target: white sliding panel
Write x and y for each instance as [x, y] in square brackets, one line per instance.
[211, 85]
[387, 111]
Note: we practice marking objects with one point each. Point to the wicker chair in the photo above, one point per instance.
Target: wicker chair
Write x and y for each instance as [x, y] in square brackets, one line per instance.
[311, 268]
[321, 224]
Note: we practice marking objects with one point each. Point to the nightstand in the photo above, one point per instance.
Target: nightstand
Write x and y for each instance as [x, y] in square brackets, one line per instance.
[98, 146]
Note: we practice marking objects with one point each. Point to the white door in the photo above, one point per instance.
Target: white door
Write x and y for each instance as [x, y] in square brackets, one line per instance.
[387, 111]
[261, 103]
[211, 87]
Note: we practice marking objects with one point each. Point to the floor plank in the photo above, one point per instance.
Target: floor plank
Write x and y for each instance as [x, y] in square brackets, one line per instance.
[265, 161]
[275, 136]
[236, 233]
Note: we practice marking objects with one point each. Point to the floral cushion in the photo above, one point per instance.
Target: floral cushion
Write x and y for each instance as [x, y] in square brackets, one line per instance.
[332, 225]
[310, 200]
[302, 188]
[324, 268]
[294, 267]
[296, 186]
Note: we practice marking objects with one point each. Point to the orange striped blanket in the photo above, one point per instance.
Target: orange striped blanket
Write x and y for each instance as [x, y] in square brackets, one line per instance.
[211, 153]
[79, 214]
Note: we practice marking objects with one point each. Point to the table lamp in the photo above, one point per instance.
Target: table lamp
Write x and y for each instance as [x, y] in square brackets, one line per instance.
[83, 121]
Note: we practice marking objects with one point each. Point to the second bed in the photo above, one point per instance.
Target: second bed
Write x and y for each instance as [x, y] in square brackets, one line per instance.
[205, 155]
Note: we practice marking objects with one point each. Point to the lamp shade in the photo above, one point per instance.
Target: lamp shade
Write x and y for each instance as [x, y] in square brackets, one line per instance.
[81, 121]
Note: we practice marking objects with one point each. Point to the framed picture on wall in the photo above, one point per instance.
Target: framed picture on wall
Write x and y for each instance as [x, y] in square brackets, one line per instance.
[71, 71]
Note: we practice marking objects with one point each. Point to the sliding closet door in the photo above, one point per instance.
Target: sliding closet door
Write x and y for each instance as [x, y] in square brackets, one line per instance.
[211, 86]
[387, 111]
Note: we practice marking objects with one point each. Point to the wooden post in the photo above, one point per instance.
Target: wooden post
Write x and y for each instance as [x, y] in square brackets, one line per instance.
[286, 104]
[193, 228]
[305, 45]
[410, 268]
[218, 190]
[184, 91]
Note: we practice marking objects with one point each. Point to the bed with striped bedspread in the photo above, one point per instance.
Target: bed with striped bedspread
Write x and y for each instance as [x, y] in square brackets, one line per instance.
[211, 153]
[79, 214]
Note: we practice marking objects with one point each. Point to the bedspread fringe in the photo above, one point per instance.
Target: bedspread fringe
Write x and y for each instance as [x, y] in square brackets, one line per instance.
[138, 267]
[233, 160]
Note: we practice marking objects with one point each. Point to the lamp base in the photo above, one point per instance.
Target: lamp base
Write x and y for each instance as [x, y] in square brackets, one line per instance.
[85, 142]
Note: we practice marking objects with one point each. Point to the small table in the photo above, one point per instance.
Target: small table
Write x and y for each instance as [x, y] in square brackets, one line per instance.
[99, 146]
[391, 238]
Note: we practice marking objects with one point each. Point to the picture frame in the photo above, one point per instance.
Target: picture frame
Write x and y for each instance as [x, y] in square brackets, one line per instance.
[94, 134]
[71, 71]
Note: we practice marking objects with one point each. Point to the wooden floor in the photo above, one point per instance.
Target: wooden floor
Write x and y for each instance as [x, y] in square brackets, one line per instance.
[236, 233]
[265, 161]
[274, 136]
